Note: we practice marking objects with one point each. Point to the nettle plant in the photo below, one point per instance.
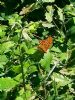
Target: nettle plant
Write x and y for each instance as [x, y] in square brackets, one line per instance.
[27, 72]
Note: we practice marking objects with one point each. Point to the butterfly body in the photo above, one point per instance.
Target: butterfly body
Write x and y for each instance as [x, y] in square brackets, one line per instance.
[45, 44]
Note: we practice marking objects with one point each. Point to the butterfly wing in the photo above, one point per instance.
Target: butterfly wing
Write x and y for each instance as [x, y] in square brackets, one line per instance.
[45, 44]
[50, 40]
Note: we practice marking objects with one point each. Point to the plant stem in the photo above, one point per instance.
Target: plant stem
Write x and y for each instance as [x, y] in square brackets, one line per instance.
[21, 63]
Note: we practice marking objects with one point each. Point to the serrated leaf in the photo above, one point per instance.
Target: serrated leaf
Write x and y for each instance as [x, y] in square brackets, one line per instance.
[63, 56]
[27, 95]
[31, 50]
[7, 84]
[16, 68]
[60, 14]
[49, 13]
[46, 24]
[2, 30]
[18, 78]
[25, 35]
[71, 71]
[56, 49]
[33, 26]
[46, 61]
[5, 47]
[26, 10]
[3, 60]
[70, 9]
[60, 79]
[32, 69]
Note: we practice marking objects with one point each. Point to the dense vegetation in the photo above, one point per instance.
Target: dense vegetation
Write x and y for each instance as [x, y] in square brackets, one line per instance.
[26, 73]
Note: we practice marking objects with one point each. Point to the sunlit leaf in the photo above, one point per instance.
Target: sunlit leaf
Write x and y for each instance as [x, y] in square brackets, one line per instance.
[2, 30]
[19, 98]
[49, 25]
[25, 35]
[60, 79]
[56, 49]
[5, 47]
[31, 50]
[49, 13]
[46, 61]
[7, 84]
[48, 1]
[60, 14]
[3, 60]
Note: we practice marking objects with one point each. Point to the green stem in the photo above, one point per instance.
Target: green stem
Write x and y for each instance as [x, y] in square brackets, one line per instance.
[21, 63]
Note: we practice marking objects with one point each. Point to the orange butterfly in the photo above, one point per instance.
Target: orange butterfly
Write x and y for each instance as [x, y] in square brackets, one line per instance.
[45, 44]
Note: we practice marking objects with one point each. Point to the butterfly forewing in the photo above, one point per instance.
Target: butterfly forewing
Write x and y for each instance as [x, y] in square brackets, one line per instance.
[45, 44]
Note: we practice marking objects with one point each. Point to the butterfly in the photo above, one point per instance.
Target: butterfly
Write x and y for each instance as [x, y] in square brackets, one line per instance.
[45, 44]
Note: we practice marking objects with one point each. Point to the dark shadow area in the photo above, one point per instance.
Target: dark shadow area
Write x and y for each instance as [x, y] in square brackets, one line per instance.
[37, 56]
[62, 3]
[34, 79]
[11, 6]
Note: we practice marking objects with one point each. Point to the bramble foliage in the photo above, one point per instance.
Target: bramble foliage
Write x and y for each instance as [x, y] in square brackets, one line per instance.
[26, 73]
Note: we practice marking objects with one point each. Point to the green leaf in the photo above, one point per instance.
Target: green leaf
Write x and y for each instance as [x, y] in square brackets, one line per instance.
[18, 78]
[63, 56]
[32, 69]
[16, 68]
[69, 9]
[49, 13]
[68, 71]
[19, 98]
[1, 18]
[72, 30]
[5, 47]
[60, 79]
[25, 35]
[3, 95]
[27, 95]
[31, 50]
[74, 19]
[48, 1]
[3, 60]
[2, 30]
[46, 24]
[46, 61]
[14, 19]
[6, 84]
[71, 71]
[32, 27]
[56, 49]
[60, 14]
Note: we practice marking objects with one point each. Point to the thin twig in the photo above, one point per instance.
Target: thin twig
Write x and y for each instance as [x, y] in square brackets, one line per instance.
[50, 72]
